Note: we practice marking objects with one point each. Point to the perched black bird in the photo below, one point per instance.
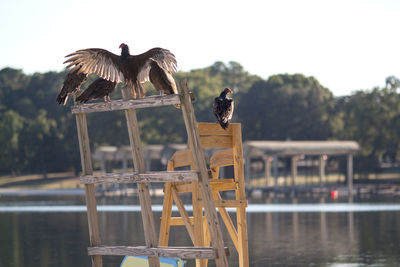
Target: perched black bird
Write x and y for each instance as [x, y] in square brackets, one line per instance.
[71, 85]
[223, 108]
[98, 89]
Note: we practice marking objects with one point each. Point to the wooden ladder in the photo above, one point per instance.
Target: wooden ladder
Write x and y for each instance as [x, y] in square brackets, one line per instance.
[217, 250]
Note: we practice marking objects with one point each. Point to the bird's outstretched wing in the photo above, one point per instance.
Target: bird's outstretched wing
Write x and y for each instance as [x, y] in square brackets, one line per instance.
[165, 59]
[71, 85]
[96, 60]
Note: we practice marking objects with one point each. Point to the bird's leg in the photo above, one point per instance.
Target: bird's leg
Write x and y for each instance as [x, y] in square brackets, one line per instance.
[141, 91]
[162, 92]
[133, 89]
[109, 98]
[105, 99]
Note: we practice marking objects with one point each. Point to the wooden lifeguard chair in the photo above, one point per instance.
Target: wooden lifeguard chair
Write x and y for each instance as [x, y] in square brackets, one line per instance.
[142, 177]
[230, 140]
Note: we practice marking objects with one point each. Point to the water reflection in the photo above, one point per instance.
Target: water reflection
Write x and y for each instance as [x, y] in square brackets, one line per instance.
[291, 234]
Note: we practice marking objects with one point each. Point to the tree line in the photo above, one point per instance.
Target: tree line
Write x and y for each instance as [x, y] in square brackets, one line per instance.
[39, 136]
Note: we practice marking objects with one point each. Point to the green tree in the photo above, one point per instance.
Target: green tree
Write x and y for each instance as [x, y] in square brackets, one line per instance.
[11, 124]
[286, 107]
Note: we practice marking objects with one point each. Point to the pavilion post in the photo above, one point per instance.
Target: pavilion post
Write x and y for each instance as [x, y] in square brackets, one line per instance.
[350, 174]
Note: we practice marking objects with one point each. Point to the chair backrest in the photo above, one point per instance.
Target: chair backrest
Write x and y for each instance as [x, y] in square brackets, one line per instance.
[180, 158]
[213, 136]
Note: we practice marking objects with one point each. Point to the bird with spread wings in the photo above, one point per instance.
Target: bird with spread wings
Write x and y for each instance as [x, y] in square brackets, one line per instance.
[133, 70]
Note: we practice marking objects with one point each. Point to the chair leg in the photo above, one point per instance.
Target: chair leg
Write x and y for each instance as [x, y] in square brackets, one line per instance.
[165, 223]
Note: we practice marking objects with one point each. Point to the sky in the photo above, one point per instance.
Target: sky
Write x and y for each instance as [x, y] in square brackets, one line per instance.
[346, 45]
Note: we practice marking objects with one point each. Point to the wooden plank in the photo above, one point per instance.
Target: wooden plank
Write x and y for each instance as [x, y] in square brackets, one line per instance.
[204, 185]
[240, 194]
[212, 141]
[146, 102]
[183, 187]
[221, 158]
[223, 185]
[147, 177]
[179, 220]
[143, 189]
[227, 221]
[87, 169]
[198, 222]
[165, 220]
[180, 252]
[183, 213]
[206, 128]
[232, 203]
[182, 158]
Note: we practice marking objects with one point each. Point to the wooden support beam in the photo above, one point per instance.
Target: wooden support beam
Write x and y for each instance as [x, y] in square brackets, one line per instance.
[87, 169]
[216, 185]
[183, 213]
[232, 203]
[204, 185]
[240, 194]
[165, 220]
[180, 252]
[147, 177]
[143, 188]
[146, 102]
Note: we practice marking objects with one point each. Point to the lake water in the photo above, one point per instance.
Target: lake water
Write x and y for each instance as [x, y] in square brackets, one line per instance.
[52, 231]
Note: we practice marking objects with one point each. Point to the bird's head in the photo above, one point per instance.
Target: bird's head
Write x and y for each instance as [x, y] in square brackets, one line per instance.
[228, 90]
[125, 50]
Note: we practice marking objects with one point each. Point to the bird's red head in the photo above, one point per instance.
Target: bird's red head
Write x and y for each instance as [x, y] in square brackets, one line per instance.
[228, 90]
[122, 45]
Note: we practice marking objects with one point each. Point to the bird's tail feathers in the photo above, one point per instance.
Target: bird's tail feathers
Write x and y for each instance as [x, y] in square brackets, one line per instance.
[224, 124]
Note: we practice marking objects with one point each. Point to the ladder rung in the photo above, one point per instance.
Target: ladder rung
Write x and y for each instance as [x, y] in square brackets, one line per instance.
[147, 177]
[169, 252]
[216, 185]
[179, 221]
[146, 102]
[231, 203]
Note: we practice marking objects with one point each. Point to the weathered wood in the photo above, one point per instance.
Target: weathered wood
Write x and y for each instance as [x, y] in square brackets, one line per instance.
[182, 158]
[87, 169]
[179, 220]
[204, 185]
[143, 189]
[223, 185]
[240, 194]
[209, 141]
[147, 177]
[146, 102]
[181, 252]
[210, 129]
[231, 203]
[183, 213]
[198, 222]
[165, 220]
[228, 222]
[222, 158]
